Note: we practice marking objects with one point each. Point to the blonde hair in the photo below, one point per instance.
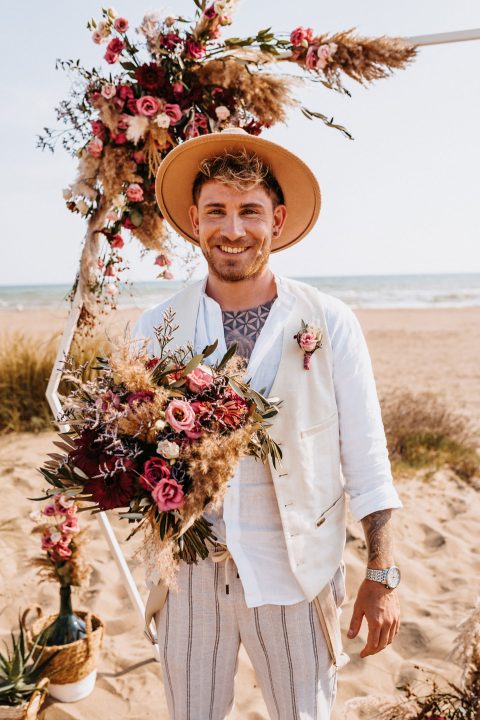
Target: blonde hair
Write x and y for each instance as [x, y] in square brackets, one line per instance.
[242, 170]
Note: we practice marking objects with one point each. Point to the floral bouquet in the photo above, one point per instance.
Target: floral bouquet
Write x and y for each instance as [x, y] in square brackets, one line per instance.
[160, 437]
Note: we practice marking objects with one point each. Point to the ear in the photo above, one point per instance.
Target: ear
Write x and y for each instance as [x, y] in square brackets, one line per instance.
[279, 219]
[193, 214]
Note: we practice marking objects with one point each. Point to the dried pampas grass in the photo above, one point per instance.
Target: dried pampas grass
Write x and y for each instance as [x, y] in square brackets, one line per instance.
[116, 169]
[152, 233]
[366, 59]
[264, 95]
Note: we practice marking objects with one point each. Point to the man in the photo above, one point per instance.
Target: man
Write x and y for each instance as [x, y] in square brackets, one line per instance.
[239, 198]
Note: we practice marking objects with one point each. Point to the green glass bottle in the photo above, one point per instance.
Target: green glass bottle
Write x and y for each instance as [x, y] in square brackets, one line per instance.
[67, 627]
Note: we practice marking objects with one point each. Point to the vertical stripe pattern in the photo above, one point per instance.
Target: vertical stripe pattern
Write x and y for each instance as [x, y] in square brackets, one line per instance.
[200, 629]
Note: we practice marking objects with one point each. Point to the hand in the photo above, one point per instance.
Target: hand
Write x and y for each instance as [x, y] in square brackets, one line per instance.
[381, 608]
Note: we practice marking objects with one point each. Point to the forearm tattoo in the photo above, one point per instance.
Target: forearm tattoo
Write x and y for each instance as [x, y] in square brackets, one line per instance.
[378, 535]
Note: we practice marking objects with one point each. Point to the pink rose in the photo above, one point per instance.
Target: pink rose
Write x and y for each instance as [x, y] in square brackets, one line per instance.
[49, 510]
[308, 341]
[174, 112]
[147, 106]
[95, 147]
[323, 54]
[312, 58]
[162, 261]
[199, 380]
[194, 49]
[167, 275]
[97, 37]
[98, 128]
[108, 91]
[111, 57]
[117, 242]
[180, 415]
[121, 25]
[301, 35]
[47, 541]
[135, 192]
[154, 470]
[62, 552]
[139, 157]
[70, 526]
[168, 495]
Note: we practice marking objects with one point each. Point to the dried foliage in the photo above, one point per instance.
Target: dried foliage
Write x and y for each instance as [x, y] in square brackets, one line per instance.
[266, 96]
[422, 432]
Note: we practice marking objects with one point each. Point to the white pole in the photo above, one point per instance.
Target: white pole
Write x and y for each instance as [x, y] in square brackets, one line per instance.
[56, 407]
[443, 38]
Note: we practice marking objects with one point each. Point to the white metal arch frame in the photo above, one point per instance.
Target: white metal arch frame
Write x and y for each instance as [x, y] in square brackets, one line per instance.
[69, 333]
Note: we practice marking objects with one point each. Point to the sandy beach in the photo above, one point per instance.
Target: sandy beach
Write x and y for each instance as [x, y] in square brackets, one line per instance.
[433, 350]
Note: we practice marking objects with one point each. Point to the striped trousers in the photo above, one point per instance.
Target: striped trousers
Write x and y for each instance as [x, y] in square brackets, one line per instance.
[200, 629]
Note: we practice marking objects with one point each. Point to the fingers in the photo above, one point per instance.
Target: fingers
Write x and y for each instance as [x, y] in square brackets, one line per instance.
[379, 636]
[355, 622]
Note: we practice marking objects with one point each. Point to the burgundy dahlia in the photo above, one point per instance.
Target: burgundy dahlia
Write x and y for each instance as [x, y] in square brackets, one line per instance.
[151, 76]
[113, 486]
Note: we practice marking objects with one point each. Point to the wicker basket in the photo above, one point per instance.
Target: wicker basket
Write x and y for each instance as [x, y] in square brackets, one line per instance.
[74, 661]
[28, 710]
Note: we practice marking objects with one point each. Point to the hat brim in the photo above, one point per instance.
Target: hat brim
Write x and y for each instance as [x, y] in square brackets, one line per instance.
[177, 172]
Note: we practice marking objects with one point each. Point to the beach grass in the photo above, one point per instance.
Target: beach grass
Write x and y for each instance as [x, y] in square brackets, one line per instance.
[25, 367]
[422, 432]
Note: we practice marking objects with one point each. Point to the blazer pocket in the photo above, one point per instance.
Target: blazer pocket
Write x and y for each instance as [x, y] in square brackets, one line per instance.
[314, 429]
[321, 519]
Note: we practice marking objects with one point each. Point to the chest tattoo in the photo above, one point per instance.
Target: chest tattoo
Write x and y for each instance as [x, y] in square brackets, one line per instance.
[243, 327]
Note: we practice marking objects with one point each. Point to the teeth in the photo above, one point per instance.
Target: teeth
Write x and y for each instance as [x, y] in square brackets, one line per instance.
[233, 251]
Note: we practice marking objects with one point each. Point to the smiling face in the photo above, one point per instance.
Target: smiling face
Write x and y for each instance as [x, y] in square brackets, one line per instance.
[235, 229]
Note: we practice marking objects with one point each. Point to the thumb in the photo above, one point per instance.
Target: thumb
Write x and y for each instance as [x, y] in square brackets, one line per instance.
[355, 622]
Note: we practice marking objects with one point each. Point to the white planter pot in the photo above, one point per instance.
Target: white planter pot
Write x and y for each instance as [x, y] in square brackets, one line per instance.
[71, 692]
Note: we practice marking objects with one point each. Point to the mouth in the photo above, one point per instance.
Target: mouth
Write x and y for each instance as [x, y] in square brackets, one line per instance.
[231, 250]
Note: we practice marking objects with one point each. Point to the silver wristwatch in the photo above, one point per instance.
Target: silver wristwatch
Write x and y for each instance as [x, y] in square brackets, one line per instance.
[390, 577]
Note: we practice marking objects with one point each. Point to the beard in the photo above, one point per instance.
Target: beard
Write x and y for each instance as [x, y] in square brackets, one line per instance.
[231, 270]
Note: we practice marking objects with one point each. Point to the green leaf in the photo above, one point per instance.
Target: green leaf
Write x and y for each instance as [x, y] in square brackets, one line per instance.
[129, 65]
[206, 352]
[192, 364]
[228, 355]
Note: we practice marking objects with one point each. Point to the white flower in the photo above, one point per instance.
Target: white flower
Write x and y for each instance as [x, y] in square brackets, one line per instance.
[67, 194]
[137, 127]
[168, 450]
[222, 112]
[111, 289]
[56, 536]
[149, 26]
[119, 201]
[82, 207]
[160, 425]
[36, 516]
[333, 48]
[163, 120]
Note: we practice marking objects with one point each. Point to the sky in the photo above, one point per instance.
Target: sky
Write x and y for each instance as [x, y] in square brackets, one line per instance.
[402, 197]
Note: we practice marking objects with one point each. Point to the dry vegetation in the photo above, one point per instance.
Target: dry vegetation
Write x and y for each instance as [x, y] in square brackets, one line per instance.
[423, 432]
[25, 366]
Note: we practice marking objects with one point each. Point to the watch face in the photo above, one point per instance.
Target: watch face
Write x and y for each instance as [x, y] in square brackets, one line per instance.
[393, 577]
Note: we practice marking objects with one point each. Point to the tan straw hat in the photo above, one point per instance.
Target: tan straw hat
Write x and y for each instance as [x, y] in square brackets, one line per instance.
[177, 171]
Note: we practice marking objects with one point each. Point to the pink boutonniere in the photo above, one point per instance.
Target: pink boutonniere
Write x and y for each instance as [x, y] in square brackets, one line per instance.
[309, 339]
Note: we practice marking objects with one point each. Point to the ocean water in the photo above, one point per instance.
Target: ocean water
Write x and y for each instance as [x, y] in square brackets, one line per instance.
[366, 291]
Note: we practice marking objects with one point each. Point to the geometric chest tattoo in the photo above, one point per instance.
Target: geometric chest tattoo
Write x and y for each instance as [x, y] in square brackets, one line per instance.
[243, 327]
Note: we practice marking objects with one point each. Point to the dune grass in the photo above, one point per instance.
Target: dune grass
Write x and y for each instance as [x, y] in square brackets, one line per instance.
[25, 367]
[422, 432]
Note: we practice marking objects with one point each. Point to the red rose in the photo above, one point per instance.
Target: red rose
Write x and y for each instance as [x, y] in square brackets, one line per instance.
[301, 34]
[117, 241]
[139, 157]
[119, 138]
[154, 470]
[111, 57]
[125, 92]
[116, 45]
[168, 495]
[169, 41]
[98, 128]
[194, 49]
[152, 363]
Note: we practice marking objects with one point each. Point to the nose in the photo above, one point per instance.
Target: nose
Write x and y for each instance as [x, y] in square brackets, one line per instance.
[232, 227]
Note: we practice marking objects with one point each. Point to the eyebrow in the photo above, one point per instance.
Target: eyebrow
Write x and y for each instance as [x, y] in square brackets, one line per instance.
[242, 205]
